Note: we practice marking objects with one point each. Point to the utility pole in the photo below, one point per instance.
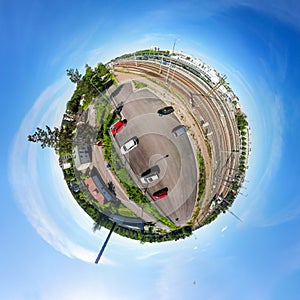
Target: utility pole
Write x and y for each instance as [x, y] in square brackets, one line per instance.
[167, 76]
[161, 63]
[222, 80]
[91, 81]
[231, 211]
[173, 47]
[235, 215]
[135, 59]
[105, 243]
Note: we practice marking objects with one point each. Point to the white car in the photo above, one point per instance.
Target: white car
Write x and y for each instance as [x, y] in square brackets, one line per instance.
[129, 145]
[149, 178]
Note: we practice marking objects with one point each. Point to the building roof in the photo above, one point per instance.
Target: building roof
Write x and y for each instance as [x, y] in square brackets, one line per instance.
[64, 161]
[132, 223]
[97, 195]
[98, 189]
[81, 157]
[66, 166]
[104, 190]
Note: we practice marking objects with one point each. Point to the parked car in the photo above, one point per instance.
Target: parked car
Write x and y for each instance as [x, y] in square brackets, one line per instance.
[129, 145]
[165, 110]
[75, 186]
[118, 126]
[149, 178]
[179, 130]
[163, 193]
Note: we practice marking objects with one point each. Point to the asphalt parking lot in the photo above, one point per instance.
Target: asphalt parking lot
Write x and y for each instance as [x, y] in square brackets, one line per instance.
[173, 158]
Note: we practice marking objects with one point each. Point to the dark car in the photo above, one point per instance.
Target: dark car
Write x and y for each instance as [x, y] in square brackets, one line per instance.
[118, 126]
[163, 193]
[75, 186]
[165, 110]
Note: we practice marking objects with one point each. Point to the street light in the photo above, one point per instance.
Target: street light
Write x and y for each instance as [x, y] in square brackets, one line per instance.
[168, 71]
[91, 81]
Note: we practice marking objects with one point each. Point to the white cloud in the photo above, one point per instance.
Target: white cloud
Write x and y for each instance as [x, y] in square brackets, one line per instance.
[288, 212]
[284, 11]
[224, 228]
[29, 174]
[148, 255]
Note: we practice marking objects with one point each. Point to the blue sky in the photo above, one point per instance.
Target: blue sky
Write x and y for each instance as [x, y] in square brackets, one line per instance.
[48, 244]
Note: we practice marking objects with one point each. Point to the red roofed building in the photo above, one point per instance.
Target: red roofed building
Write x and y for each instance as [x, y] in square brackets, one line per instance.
[98, 196]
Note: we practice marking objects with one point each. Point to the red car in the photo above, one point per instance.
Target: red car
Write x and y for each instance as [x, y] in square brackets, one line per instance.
[163, 193]
[118, 126]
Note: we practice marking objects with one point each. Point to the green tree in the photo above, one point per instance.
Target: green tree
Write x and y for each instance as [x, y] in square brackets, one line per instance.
[74, 75]
[65, 141]
[47, 138]
[58, 139]
[101, 219]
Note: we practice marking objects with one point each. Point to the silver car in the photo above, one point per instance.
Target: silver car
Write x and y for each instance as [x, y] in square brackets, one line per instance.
[149, 178]
[179, 130]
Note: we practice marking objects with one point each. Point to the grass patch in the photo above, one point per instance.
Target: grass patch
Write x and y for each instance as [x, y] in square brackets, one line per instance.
[124, 211]
[202, 175]
[103, 109]
[201, 185]
[139, 85]
[151, 209]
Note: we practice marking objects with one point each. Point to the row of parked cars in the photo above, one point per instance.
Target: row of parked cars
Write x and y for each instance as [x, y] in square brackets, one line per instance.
[133, 142]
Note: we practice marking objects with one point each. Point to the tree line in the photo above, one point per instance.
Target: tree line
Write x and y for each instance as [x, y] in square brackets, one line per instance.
[88, 86]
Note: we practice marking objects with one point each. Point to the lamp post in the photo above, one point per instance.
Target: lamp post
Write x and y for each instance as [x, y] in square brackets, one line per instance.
[91, 81]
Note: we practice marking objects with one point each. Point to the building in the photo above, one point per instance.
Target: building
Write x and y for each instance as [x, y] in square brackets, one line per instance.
[213, 76]
[82, 100]
[94, 191]
[98, 189]
[65, 166]
[67, 119]
[154, 48]
[128, 222]
[64, 161]
[81, 157]
[222, 89]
